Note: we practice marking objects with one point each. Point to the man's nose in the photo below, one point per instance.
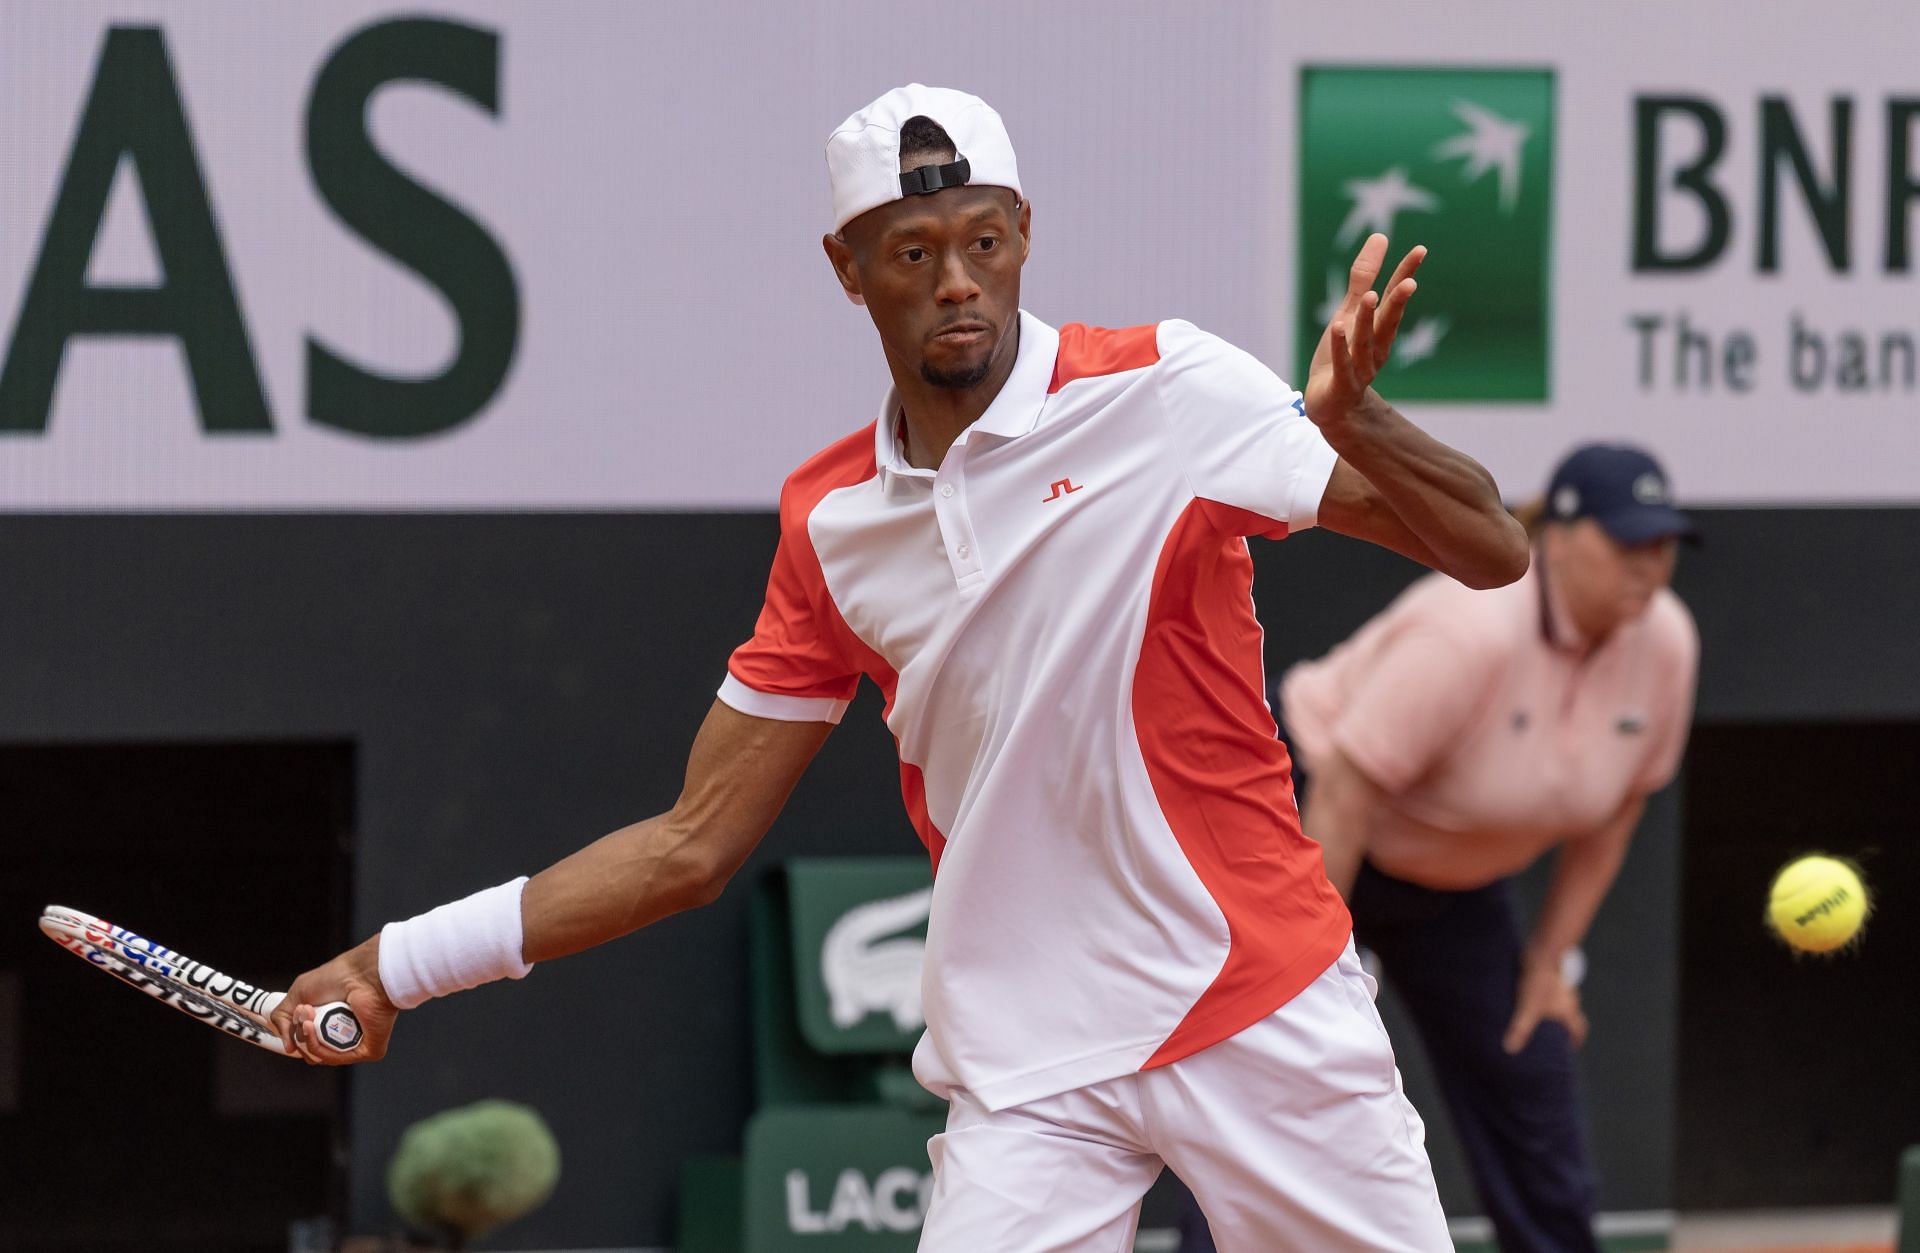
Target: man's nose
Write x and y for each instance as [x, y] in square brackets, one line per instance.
[957, 285]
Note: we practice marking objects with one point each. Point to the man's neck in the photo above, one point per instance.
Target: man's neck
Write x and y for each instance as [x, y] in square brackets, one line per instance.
[934, 416]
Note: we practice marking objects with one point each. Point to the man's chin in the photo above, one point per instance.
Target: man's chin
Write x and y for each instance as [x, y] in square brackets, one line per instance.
[957, 376]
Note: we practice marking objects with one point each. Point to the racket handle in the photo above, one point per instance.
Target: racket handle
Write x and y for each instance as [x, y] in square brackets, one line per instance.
[338, 1025]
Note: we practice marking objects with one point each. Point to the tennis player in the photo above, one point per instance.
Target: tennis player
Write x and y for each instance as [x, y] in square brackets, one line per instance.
[1037, 551]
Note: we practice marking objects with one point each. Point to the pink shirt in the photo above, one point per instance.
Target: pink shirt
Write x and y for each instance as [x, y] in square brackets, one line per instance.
[1495, 733]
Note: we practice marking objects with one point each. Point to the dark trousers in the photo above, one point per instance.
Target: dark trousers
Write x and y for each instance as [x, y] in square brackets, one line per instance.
[1454, 959]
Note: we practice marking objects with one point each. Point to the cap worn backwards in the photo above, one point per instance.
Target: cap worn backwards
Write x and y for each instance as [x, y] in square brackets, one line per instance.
[863, 153]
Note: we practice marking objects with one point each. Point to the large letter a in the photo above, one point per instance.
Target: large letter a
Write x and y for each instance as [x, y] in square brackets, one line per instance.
[134, 111]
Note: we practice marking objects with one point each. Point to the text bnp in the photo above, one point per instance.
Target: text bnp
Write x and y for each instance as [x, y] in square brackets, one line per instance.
[1690, 214]
[1680, 143]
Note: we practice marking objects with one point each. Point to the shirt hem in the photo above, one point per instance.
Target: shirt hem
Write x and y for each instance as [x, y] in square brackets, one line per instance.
[1036, 1085]
[1235, 1016]
[1133, 1058]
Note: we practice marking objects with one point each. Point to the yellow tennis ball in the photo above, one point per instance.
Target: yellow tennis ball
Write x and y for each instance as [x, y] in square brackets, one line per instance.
[1817, 904]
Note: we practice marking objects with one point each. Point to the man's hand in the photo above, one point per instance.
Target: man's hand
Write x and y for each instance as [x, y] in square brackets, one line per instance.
[1395, 485]
[353, 977]
[1544, 994]
[1355, 344]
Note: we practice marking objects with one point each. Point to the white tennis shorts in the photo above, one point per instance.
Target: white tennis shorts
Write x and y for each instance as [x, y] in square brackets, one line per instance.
[1294, 1135]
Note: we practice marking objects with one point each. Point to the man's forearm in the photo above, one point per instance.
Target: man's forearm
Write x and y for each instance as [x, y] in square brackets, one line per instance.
[620, 883]
[1583, 873]
[1340, 818]
[1446, 500]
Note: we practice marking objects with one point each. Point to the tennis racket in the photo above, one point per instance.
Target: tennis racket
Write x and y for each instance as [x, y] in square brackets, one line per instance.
[242, 1010]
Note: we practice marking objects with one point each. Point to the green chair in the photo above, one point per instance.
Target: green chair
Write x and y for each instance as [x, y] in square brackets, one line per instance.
[1909, 1237]
[836, 950]
[852, 1178]
[837, 1147]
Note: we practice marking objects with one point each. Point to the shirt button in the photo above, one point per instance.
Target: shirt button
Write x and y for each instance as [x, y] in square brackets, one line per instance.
[946, 489]
[964, 550]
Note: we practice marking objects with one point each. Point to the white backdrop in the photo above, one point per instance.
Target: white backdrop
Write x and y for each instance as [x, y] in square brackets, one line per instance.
[654, 178]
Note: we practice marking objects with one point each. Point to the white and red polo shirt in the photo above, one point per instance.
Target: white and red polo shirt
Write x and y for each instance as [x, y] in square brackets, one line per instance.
[1061, 621]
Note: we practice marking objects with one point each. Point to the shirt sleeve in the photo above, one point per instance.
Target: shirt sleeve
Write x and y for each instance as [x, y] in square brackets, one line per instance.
[1670, 744]
[1409, 708]
[1252, 457]
[797, 667]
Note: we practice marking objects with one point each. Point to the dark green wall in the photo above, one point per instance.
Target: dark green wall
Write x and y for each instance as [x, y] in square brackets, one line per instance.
[516, 685]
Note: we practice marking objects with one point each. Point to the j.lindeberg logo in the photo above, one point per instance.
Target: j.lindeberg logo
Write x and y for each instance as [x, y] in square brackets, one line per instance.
[1060, 488]
[1460, 160]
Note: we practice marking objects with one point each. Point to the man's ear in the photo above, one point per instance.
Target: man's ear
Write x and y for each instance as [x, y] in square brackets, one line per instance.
[840, 257]
[1026, 228]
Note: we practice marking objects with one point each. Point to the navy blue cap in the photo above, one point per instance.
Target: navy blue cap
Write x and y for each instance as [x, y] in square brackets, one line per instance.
[1621, 488]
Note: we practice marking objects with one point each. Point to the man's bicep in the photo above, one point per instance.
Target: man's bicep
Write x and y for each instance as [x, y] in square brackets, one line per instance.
[741, 771]
[738, 776]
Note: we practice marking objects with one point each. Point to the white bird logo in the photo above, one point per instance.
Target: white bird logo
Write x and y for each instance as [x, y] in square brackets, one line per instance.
[1376, 201]
[1418, 341]
[1490, 143]
[1336, 296]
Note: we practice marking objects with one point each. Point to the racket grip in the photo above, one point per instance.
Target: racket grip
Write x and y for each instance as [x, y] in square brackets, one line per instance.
[337, 1024]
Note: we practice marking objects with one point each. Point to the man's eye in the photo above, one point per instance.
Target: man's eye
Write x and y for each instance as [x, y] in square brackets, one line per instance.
[915, 254]
[986, 243]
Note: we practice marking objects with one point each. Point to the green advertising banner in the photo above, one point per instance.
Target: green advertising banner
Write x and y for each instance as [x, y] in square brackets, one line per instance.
[853, 1179]
[1459, 160]
[859, 938]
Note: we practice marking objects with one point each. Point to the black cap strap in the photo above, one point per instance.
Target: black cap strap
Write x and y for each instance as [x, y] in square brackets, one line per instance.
[931, 178]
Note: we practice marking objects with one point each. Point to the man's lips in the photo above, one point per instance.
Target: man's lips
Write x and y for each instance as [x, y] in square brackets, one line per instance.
[961, 333]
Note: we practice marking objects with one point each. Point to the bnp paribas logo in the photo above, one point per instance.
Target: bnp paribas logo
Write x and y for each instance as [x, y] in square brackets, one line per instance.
[1459, 160]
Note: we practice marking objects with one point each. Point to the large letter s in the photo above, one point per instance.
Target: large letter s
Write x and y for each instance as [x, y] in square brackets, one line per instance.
[418, 228]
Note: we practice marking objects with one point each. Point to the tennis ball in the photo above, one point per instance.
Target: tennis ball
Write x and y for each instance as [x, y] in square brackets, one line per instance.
[1817, 904]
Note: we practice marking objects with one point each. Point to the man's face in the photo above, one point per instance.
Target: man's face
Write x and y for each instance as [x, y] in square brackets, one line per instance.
[940, 275]
[1607, 583]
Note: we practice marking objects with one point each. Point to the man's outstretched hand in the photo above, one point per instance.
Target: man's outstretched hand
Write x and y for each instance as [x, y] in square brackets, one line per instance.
[1355, 344]
[353, 977]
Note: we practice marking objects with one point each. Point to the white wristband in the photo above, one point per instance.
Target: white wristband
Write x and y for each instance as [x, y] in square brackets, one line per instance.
[459, 945]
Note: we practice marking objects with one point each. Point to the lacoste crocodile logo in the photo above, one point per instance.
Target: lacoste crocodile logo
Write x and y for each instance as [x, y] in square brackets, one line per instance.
[866, 972]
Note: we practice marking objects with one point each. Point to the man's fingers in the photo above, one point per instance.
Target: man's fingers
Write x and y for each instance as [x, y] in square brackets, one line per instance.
[1366, 266]
[1387, 323]
[1400, 289]
[1361, 347]
[305, 1032]
[1520, 1030]
[1408, 264]
[1342, 358]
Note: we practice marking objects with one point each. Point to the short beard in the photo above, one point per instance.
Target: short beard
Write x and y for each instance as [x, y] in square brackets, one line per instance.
[957, 380]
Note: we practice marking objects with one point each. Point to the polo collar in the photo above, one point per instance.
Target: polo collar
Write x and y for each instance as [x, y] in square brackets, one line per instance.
[1012, 414]
[1556, 623]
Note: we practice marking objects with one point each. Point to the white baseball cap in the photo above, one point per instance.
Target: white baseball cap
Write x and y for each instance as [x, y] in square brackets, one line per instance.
[863, 153]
